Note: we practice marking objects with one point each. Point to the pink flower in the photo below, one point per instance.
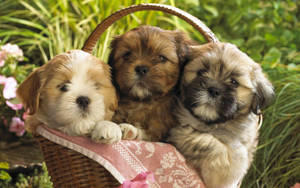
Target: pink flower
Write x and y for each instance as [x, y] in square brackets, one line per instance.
[13, 50]
[25, 115]
[140, 181]
[9, 91]
[10, 87]
[14, 106]
[17, 126]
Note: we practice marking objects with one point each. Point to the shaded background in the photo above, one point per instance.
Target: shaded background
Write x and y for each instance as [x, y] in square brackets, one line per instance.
[267, 30]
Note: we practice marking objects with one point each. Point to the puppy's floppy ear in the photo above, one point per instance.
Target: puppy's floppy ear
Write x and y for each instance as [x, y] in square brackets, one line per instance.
[112, 106]
[113, 46]
[264, 93]
[111, 102]
[111, 60]
[196, 50]
[183, 41]
[28, 92]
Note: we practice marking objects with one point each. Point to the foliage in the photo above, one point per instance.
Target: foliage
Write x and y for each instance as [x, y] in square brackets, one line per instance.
[11, 73]
[37, 179]
[269, 31]
[4, 176]
[11, 112]
[277, 161]
[47, 27]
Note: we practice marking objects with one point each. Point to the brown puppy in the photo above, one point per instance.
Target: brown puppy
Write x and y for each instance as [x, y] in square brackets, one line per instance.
[222, 90]
[146, 65]
[73, 93]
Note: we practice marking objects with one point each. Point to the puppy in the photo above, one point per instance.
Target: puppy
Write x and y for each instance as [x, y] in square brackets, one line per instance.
[146, 64]
[73, 93]
[222, 93]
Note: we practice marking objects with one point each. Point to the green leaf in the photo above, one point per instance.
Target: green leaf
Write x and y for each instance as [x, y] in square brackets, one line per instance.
[255, 55]
[4, 165]
[234, 18]
[211, 9]
[22, 21]
[292, 66]
[272, 56]
[256, 43]
[293, 56]
[6, 71]
[4, 176]
[287, 36]
[271, 39]
[238, 42]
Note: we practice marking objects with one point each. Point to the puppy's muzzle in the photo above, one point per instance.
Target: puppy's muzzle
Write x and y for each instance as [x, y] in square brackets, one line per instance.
[214, 92]
[141, 70]
[83, 102]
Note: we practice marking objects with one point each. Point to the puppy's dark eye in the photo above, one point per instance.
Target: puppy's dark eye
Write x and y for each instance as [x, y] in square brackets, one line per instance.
[200, 72]
[162, 58]
[234, 82]
[63, 87]
[126, 56]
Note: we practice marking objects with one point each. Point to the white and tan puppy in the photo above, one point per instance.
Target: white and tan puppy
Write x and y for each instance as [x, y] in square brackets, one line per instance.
[222, 91]
[74, 94]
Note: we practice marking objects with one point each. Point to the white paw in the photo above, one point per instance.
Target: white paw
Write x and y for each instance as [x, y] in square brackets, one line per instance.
[106, 132]
[129, 132]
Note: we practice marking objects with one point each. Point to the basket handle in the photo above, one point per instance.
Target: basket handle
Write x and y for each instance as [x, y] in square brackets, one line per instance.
[195, 22]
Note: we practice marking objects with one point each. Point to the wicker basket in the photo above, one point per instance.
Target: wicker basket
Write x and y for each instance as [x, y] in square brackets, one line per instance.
[69, 168]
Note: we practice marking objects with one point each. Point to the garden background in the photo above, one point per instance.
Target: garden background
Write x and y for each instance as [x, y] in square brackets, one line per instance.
[267, 30]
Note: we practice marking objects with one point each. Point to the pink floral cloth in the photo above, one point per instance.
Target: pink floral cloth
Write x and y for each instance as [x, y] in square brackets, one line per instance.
[128, 160]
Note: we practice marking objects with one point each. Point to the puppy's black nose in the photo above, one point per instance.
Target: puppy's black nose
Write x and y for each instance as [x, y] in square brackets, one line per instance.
[214, 92]
[83, 101]
[141, 70]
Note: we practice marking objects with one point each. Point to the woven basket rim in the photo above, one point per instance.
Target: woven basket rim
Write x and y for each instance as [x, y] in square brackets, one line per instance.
[107, 22]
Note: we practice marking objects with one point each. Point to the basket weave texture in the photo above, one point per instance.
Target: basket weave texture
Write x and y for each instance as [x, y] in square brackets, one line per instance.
[69, 168]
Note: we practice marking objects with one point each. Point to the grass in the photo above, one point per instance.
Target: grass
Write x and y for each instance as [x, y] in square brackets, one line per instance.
[267, 30]
[50, 27]
[277, 162]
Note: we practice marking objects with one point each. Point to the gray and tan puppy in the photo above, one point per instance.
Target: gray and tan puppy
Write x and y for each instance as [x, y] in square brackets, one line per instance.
[223, 90]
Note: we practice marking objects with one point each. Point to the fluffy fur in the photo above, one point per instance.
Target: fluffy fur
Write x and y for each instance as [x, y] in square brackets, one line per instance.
[146, 64]
[222, 91]
[74, 94]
